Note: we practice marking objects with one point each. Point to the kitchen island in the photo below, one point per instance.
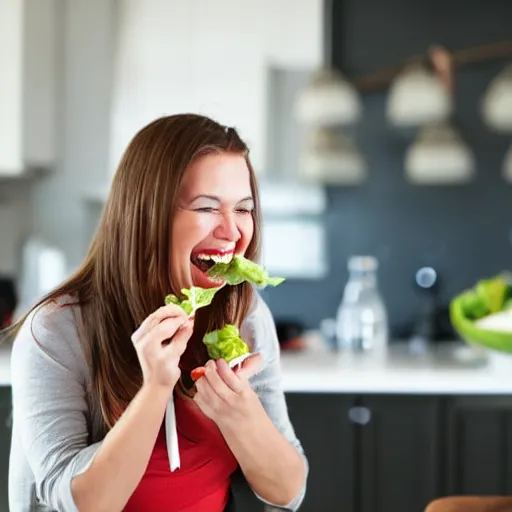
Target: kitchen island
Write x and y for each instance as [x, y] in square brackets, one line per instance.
[389, 431]
[383, 431]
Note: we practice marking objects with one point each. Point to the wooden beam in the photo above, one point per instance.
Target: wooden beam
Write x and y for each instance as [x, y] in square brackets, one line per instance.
[462, 58]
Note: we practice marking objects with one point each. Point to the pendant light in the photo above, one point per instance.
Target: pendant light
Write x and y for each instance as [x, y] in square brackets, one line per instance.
[507, 166]
[328, 100]
[439, 156]
[497, 102]
[417, 97]
[331, 157]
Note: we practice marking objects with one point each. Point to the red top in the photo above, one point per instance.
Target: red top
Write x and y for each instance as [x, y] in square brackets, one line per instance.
[202, 483]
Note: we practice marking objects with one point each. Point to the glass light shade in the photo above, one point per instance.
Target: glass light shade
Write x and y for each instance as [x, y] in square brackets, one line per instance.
[497, 102]
[329, 99]
[507, 165]
[418, 97]
[439, 156]
[331, 157]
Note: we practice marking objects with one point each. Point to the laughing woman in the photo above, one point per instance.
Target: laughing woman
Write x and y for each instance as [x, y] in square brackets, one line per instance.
[93, 369]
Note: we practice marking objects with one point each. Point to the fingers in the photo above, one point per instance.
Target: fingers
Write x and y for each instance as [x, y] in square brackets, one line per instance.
[218, 384]
[224, 381]
[169, 311]
[166, 329]
[207, 400]
[180, 339]
[204, 398]
[228, 376]
[222, 395]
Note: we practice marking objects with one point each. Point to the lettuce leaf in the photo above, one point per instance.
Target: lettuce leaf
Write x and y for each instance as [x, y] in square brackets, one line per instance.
[492, 292]
[194, 298]
[225, 343]
[240, 269]
[486, 298]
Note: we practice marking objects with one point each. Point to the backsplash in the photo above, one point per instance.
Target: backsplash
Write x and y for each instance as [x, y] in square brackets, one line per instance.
[464, 232]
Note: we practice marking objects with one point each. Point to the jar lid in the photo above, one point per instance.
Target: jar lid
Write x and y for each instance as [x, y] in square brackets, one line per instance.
[363, 263]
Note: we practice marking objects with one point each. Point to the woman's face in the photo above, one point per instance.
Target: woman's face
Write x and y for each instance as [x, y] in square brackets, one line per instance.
[214, 219]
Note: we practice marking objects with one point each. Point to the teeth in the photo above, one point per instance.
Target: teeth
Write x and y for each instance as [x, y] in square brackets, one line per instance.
[226, 258]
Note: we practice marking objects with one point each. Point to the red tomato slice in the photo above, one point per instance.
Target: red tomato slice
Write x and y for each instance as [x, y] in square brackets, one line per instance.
[197, 373]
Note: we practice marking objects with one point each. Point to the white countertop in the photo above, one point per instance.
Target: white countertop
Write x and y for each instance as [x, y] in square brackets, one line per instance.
[392, 371]
[451, 368]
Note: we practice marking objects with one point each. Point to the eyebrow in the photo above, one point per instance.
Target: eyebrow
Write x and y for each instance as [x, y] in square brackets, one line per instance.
[217, 199]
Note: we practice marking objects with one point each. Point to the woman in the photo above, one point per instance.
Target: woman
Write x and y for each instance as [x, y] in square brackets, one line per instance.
[93, 372]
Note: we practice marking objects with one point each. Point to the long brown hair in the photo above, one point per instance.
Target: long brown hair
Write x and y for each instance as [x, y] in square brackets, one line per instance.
[125, 275]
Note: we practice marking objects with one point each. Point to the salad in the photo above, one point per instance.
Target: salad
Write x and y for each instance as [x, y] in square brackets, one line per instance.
[224, 343]
[240, 269]
[483, 314]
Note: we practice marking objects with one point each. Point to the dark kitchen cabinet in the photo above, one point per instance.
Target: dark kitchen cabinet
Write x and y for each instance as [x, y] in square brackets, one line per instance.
[322, 424]
[479, 445]
[5, 444]
[396, 453]
[368, 453]
[399, 451]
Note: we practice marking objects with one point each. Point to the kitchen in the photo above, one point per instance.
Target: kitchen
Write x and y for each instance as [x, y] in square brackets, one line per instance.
[418, 422]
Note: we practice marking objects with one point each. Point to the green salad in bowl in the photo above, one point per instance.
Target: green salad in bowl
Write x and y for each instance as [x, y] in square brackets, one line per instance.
[482, 315]
[224, 343]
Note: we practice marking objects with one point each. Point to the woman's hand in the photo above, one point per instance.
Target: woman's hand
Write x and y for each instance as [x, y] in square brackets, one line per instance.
[225, 396]
[160, 341]
[273, 467]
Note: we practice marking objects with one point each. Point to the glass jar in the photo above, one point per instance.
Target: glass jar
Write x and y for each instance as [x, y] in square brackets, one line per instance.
[362, 321]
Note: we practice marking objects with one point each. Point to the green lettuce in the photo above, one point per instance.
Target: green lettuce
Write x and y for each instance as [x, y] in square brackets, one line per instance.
[486, 298]
[194, 298]
[240, 269]
[225, 343]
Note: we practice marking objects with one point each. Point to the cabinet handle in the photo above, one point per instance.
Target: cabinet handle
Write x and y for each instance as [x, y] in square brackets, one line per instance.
[360, 415]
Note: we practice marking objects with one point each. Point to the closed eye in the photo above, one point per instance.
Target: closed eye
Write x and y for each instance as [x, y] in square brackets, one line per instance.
[207, 209]
[243, 210]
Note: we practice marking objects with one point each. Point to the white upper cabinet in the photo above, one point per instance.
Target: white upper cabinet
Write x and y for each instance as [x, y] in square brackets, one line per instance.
[28, 81]
[208, 57]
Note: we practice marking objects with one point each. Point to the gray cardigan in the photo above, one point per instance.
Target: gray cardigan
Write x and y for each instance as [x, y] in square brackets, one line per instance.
[57, 425]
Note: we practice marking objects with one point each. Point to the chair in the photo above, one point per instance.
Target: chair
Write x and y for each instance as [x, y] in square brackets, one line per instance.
[471, 504]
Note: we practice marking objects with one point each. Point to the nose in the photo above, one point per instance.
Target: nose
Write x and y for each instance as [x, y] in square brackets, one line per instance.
[228, 229]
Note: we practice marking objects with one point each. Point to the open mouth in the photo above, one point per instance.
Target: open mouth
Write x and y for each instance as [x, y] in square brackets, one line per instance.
[205, 262]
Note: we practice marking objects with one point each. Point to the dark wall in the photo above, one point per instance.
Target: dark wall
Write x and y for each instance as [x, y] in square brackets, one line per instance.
[465, 232]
